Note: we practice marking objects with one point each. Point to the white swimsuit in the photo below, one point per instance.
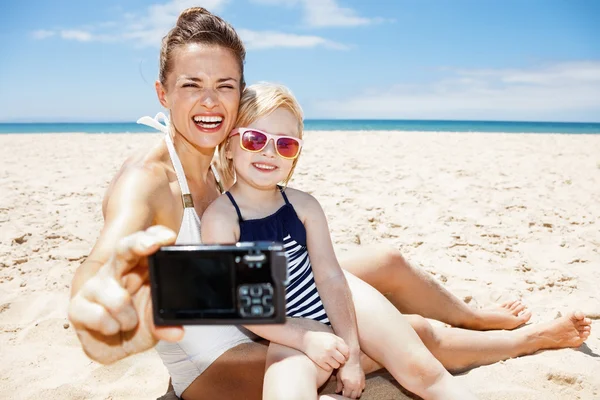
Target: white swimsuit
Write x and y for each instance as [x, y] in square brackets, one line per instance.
[201, 345]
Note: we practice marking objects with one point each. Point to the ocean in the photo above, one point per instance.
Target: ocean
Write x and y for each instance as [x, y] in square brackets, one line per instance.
[333, 124]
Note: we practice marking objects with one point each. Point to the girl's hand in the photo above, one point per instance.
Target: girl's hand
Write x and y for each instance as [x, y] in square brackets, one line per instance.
[351, 379]
[325, 349]
[112, 311]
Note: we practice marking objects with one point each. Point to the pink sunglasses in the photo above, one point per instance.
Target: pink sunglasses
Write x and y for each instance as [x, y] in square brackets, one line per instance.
[253, 140]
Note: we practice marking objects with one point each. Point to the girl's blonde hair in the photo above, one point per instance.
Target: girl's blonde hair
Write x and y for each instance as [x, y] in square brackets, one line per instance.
[260, 100]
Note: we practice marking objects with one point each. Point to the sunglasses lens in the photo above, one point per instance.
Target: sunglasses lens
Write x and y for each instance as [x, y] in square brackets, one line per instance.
[288, 147]
[253, 141]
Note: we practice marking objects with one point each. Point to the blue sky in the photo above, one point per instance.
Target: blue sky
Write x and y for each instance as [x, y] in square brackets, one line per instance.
[96, 60]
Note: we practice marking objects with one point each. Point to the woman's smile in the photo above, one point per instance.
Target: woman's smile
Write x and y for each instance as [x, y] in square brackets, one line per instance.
[208, 122]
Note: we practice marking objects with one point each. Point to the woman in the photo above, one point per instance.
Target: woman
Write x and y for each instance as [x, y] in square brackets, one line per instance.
[165, 190]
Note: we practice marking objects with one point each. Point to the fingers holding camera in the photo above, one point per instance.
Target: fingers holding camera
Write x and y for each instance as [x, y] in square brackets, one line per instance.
[103, 305]
[113, 300]
[86, 315]
[166, 333]
[134, 248]
[108, 293]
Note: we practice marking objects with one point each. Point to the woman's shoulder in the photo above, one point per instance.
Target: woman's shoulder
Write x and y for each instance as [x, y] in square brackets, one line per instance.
[144, 175]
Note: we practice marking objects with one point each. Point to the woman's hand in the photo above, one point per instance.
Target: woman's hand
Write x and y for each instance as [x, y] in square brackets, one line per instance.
[351, 379]
[325, 349]
[112, 311]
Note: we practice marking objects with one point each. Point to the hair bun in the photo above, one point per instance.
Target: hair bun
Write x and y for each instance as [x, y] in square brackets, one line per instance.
[191, 13]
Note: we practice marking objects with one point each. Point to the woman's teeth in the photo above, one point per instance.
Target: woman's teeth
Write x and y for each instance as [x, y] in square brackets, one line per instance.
[264, 166]
[208, 122]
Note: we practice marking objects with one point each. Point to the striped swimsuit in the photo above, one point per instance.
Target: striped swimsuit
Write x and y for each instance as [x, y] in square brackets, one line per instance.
[284, 226]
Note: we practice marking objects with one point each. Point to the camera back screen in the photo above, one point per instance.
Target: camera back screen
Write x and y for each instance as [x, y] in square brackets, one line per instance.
[194, 284]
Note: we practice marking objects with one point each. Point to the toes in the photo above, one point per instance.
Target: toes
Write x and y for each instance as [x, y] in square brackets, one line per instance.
[525, 316]
[518, 309]
[584, 335]
[514, 305]
[507, 304]
[578, 315]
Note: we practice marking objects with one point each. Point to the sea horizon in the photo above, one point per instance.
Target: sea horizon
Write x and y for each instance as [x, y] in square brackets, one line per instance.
[329, 125]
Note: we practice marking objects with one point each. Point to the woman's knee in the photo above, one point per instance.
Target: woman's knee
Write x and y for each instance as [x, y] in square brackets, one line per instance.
[424, 329]
[391, 270]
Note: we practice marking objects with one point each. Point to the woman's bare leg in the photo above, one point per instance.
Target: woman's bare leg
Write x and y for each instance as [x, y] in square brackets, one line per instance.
[291, 375]
[414, 291]
[387, 337]
[237, 374]
[459, 349]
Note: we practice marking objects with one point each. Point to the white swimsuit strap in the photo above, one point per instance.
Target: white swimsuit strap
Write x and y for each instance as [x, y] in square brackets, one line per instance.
[155, 123]
[185, 190]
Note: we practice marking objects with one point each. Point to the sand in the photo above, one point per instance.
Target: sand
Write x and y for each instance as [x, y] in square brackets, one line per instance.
[492, 216]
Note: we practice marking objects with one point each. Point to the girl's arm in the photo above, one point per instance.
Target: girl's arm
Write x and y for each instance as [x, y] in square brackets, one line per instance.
[329, 276]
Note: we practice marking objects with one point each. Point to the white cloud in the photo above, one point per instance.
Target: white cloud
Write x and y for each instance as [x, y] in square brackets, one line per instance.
[146, 29]
[149, 27]
[268, 39]
[42, 34]
[78, 35]
[555, 92]
[325, 13]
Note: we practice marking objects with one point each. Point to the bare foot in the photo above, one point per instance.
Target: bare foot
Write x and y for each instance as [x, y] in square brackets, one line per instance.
[568, 331]
[509, 315]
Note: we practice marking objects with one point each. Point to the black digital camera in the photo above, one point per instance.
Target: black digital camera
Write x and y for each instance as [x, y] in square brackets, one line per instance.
[219, 284]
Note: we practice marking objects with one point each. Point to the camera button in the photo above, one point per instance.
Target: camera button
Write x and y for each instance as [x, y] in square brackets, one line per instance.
[245, 301]
[256, 310]
[245, 311]
[268, 311]
[256, 291]
[244, 290]
[267, 301]
[267, 289]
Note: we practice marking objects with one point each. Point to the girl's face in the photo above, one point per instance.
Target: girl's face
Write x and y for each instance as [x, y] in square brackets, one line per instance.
[264, 169]
[202, 93]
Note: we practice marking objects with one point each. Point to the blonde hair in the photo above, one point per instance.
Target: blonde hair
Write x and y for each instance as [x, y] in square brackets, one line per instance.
[259, 100]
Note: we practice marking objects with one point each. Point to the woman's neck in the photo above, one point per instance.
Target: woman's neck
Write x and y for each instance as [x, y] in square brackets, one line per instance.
[195, 161]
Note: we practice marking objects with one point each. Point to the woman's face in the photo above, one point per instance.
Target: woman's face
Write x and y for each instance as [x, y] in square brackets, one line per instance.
[202, 93]
[265, 169]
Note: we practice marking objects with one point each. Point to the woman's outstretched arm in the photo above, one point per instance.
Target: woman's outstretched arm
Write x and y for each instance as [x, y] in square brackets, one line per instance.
[110, 307]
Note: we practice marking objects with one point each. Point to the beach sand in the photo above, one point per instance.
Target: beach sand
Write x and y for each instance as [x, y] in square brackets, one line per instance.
[493, 216]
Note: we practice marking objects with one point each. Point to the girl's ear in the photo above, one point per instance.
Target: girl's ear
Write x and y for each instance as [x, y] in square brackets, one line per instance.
[228, 152]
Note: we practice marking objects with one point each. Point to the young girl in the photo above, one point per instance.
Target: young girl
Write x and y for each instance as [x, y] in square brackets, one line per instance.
[262, 153]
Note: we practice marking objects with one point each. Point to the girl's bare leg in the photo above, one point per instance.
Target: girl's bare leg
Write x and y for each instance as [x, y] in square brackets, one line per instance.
[291, 375]
[387, 337]
[414, 291]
